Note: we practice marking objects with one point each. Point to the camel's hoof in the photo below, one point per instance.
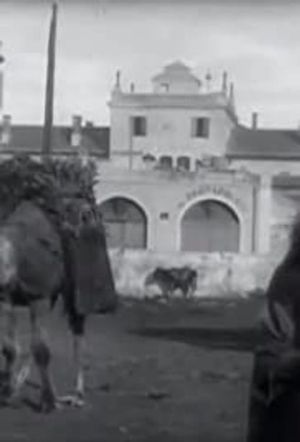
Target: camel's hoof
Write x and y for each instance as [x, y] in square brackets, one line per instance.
[13, 401]
[48, 407]
[6, 392]
[6, 386]
[9, 396]
[48, 403]
[76, 400]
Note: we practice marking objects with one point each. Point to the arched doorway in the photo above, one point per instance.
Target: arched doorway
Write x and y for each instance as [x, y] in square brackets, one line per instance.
[125, 223]
[210, 226]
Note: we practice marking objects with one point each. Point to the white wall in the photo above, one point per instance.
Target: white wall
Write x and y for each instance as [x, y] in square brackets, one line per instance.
[169, 131]
[218, 275]
[171, 192]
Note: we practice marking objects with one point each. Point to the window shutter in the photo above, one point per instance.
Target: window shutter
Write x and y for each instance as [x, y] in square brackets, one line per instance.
[131, 126]
[137, 126]
[205, 127]
[143, 126]
[194, 127]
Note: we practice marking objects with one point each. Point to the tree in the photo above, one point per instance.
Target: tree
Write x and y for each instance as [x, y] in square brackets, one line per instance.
[46, 183]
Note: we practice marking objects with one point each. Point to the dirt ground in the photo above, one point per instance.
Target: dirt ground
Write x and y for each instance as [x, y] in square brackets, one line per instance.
[169, 372]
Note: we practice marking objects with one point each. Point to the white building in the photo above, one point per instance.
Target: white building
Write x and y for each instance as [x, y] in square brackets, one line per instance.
[178, 172]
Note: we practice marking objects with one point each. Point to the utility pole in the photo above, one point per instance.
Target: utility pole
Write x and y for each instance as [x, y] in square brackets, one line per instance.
[49, 96]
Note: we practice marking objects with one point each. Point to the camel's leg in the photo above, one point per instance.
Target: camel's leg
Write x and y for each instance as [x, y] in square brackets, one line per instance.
[77, 326]
[42, 356]
[192, 288]
[10, 348]
[165, 291]
[15, 374]
[78, 352]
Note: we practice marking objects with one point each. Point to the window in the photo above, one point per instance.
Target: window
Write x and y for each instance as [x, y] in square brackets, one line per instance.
[200, 127]
[199, 164]
[165, 162]
[183, 163]
[125, 223]
[139, 126]
[165, 87]
[149, 158]
[164, 216]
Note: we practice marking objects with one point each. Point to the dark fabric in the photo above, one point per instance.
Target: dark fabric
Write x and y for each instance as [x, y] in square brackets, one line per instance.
[88, 272]
[38, 252]
[76, 320]
[274, 406]
[274, 402]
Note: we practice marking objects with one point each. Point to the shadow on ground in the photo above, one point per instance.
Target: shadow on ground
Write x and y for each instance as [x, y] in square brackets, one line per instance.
[219, 339]
[143, 383]
[209, 324]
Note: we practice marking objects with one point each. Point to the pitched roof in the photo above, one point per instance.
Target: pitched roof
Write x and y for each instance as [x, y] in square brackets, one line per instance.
[286, 181]
[259, 144]
[28, 139]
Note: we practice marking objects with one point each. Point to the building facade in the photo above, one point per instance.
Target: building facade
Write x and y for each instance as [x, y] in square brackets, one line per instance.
[177, 172]
[200, 181]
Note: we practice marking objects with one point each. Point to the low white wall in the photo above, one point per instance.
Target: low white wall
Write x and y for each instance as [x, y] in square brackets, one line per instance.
[218, 274]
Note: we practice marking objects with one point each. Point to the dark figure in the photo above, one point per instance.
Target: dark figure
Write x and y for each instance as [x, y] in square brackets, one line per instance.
[274, 408]
[168, 280]
[88, 285]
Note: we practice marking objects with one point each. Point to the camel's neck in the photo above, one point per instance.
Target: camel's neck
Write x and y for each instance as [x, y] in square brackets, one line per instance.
[8, 265]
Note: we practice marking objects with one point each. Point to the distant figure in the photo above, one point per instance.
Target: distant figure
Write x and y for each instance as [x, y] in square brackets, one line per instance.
[274, 406]
[169, 280]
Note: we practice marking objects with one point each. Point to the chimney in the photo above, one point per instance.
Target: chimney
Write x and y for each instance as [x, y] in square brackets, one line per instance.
[6, 129]
[117, 86]
[224, 83]
[1, 78]
[2, 59]
[76, 131]
[254, 120]
[89, 124]
[231, 95]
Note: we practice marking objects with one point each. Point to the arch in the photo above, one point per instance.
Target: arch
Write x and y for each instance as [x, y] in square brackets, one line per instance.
[210, 224]
[126, 222]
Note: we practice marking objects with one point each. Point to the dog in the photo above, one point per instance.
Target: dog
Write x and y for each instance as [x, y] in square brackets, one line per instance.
[169, 280]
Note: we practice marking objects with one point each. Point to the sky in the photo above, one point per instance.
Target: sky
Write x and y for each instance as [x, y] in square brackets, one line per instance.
[257, 42]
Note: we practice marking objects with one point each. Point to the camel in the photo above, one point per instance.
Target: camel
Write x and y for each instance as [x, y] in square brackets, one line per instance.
[38, 264]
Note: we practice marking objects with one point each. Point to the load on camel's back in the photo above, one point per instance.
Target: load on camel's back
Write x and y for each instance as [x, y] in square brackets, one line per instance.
[169, 280]
[51, 245]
